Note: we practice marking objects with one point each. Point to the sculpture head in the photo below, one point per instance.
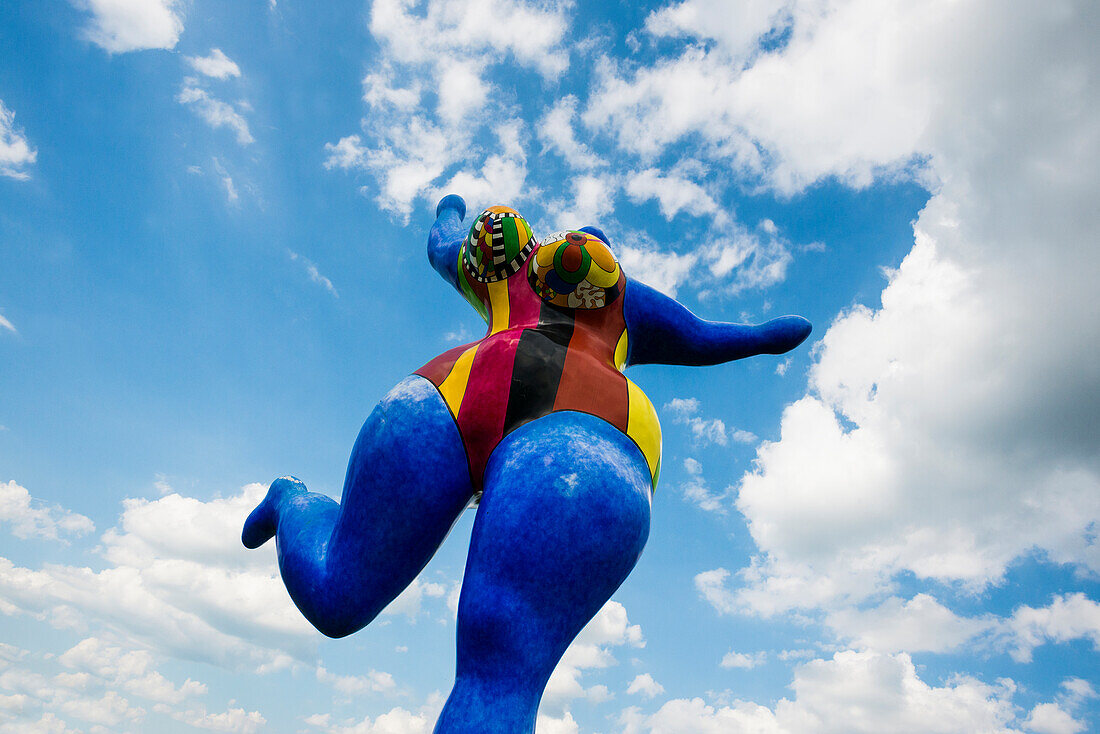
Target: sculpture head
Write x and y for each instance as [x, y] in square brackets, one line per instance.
[498, 244]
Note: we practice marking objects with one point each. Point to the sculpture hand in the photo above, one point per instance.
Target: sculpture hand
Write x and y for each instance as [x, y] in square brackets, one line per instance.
[446, 237]
[660, 330]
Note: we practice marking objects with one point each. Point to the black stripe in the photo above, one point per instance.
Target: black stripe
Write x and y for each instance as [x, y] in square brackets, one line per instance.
[536, 372]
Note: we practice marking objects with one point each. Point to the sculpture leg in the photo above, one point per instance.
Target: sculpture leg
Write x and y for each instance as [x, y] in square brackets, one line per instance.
[407, 483]
[563, 519]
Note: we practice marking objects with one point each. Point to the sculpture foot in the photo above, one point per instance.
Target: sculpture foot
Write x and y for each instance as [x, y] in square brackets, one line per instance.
[260, 526]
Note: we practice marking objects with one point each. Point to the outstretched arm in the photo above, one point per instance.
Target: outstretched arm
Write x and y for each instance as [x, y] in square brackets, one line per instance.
[660, 330]
[446, 237]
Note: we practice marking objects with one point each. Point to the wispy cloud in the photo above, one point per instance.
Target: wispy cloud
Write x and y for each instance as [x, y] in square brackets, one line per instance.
[15, 153]
[216, 65]
[314, 274]
[214, 111]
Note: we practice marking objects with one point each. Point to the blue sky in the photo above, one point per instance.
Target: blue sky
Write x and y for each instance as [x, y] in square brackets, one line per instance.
[212, 229]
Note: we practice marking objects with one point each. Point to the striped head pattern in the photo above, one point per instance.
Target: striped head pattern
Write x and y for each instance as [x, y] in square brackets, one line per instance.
[498, 244]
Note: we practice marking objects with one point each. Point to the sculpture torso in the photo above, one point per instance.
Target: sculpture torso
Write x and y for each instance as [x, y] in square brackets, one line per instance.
[551, 344]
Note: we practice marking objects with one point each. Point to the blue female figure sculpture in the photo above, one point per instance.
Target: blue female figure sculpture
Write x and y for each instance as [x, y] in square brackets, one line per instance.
[537, 423]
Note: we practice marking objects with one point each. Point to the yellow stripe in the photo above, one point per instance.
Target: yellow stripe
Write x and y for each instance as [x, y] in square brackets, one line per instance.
[498, 304]
[454, 387]
[620, 352]
[643, 427]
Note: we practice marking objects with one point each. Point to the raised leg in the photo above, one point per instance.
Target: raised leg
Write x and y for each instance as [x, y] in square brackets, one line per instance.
[407, 483]
[563, 519]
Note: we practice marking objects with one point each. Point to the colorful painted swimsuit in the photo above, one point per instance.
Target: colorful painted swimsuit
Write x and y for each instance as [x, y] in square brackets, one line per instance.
[556, 341]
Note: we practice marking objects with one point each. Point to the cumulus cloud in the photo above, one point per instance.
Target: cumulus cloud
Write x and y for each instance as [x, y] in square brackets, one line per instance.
[118, 26]
[591, 650]
[397, 720]
[851, 693]
[100, 684]
[417, 130]
[177, 582]
[1067, 617]
[29, 517]
[917, 625]
[644, 685]
[674, 194]
[557, 131]
[15, 155]
[947, 430]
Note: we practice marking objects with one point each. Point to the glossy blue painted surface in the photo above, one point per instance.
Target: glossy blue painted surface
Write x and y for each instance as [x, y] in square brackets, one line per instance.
[562, 521]
[662, 331]
[407, 482]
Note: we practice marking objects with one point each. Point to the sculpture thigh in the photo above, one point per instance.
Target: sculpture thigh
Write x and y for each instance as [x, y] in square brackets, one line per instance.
[563, 519]
[407, 482]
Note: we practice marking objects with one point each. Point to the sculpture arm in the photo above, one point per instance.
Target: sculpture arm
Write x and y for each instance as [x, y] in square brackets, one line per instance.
[445, 237]
[660, 330]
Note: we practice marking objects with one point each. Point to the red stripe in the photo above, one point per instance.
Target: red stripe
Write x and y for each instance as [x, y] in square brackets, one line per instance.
[523, 302]
[481, 416]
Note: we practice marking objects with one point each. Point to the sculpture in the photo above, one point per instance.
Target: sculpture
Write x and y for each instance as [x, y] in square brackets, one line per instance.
[537, 421]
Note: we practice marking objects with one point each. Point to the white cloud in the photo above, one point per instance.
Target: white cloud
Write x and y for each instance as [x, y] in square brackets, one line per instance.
[500, 178]
[314, 273]
[591, 650]
[645, 686]
[235, 720]
[215, 112]
[177, 582]
[443, 55]
[118, 26]
[551, 725]
[449, 31]
[704, 431]
[845, 96]
[1067, 617]
[556, 130]
[1050, 718]
[944, 433]
[697, 490]
[737, 26]
[745, 660]
[850, 694]
[216, 65]
[231, 195]
[461, 90]
[646, 261]
[674, 194]
[396, 721]
[378, 91]
[352, 685]
[94, 693]
[5, 324]
[132, 670]
[15, 155]
[919, 624]
[593, 199]
[30, 517]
